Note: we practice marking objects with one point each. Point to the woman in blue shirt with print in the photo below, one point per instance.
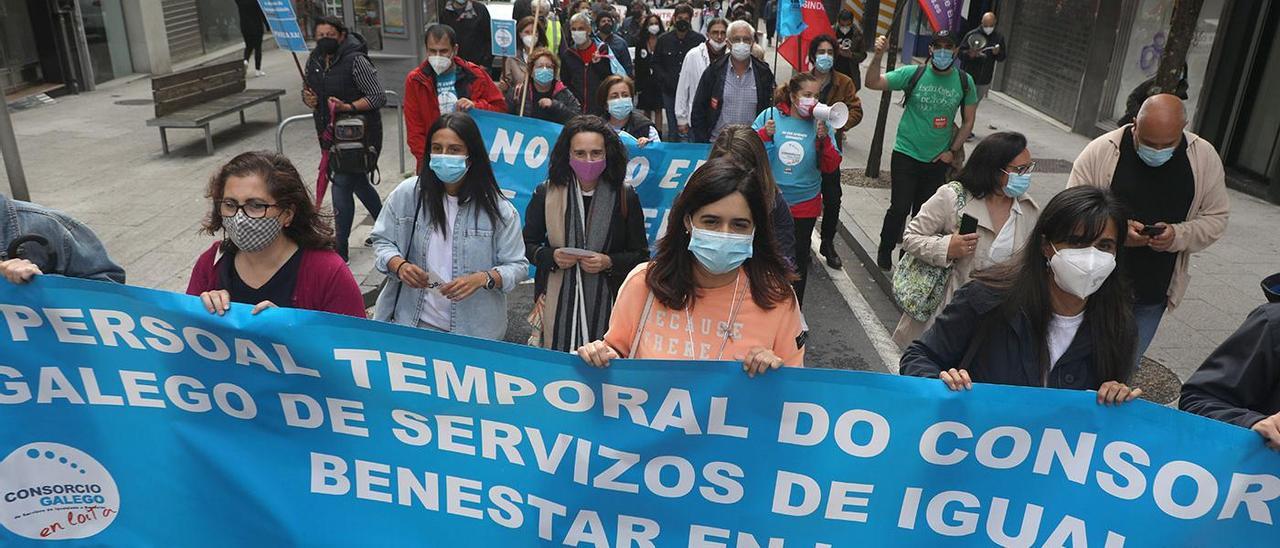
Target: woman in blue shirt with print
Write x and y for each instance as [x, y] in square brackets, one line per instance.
[800, 149]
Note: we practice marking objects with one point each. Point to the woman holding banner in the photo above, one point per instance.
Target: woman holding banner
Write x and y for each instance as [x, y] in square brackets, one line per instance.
[617, 99]
[1056, 316]
[718, 288]
[515, 70]
[800, 150]
[448, 241]
[547, 98]
[584, 230]
[744, 146]
[277, 250]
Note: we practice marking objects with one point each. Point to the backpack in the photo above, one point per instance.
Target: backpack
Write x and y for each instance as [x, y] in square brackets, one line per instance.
[915, 79]
[351, 151]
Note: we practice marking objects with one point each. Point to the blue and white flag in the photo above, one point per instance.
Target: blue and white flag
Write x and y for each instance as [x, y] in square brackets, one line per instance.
[284, 25]
[504, 37]
[790, 18]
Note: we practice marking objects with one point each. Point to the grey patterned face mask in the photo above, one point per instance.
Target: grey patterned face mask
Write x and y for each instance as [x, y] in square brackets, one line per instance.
[251, 234]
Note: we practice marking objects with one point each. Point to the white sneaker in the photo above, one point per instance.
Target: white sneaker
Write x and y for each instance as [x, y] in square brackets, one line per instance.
[259, 73]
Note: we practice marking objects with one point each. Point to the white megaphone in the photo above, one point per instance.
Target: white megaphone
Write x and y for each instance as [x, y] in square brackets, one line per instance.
[836, 115]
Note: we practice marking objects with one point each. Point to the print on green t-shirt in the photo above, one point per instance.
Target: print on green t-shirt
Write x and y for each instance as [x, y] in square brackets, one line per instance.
[924, 131]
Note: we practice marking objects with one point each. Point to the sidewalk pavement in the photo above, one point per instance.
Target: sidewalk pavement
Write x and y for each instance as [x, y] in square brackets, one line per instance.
[92, 156]
[1225, 277]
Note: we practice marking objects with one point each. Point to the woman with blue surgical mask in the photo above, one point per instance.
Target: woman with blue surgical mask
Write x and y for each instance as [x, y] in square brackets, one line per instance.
[991, 191]
[1057, 316]
[617, 99]
[834, 88]
[718, 288]
[448, 241]
[544, 97]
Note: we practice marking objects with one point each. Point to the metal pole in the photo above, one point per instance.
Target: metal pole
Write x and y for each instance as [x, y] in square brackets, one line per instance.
[400, 126]
[280, 130]
[886, 97]
[12, 161]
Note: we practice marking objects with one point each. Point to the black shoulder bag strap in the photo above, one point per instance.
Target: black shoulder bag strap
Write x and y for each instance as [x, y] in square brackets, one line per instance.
[413, 229]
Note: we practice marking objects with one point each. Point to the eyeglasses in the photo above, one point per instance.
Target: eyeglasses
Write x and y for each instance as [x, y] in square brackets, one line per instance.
[1022, 169]
[253, 210]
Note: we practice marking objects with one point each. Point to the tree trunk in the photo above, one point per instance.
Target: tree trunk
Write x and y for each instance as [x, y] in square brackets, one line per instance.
[1182, 30]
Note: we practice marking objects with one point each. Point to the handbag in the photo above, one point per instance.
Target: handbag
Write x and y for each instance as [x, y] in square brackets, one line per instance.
[917, 285]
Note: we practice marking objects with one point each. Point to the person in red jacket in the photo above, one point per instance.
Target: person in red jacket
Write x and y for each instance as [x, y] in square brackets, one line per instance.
[277, 250]
[443, 84]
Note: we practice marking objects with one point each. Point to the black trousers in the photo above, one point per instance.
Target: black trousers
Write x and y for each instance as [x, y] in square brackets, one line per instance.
[831, 193]
[804, 255]
[913, 182]
[253, 46]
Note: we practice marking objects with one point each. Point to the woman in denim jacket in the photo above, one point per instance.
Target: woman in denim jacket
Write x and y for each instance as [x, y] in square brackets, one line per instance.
[448, 241]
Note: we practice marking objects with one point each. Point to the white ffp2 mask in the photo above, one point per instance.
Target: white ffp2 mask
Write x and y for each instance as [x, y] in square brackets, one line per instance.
[1082, 271]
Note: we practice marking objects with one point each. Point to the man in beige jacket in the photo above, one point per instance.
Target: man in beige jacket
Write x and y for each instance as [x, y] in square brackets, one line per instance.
[1173, 183]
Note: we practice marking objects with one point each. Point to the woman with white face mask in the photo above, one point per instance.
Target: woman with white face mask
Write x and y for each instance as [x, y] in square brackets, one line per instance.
[1056, 317]
[583, 64]
[648, 86]
[277, 249]
[718, 284]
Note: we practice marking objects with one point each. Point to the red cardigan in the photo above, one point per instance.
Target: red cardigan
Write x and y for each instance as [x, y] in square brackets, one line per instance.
[324, 283]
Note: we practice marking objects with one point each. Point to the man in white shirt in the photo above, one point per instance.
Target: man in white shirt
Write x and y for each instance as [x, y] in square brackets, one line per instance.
[695, 63]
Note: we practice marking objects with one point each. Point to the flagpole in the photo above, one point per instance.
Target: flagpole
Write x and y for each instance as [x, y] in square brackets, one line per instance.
[886, 97]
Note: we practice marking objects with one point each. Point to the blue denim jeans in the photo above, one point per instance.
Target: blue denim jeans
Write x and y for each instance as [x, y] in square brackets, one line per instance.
[673, 131]
[1147, 317]
[346, 188]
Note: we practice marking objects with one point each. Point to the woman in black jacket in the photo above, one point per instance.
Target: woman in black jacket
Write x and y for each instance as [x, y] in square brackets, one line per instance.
[546, 98]
[1058, 317]
[616, 103]
[648, 87]
[584, 230]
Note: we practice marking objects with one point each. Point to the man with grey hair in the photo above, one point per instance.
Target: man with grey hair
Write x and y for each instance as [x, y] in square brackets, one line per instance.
[733, 90]
[1174, 186]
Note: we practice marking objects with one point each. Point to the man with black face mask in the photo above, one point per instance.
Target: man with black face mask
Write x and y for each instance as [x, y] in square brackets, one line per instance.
[341, 78]
[670, 53]
[927, 142]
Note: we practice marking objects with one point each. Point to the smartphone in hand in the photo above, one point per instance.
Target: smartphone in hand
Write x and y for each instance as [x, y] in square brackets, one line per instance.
[1151, 230]
[968, 224]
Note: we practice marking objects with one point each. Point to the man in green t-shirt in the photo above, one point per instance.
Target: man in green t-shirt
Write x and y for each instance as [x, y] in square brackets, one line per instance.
[927, 142]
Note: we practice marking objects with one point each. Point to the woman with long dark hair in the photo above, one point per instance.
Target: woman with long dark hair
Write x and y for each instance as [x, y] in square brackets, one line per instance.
[992, 190]
[276, 249]
[448, 241]
[648, 88]
[800, 150]
[744, 145]
[1058, 316]
[718, 285]
[584, 230]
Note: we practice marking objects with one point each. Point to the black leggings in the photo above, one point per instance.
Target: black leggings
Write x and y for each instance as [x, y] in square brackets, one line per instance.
[253, 44]
[804, 255]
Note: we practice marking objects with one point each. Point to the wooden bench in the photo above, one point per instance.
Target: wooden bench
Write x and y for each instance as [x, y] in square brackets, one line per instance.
[192, 98]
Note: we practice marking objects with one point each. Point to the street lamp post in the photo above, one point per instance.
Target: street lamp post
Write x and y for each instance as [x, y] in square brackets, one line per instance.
[12, 161]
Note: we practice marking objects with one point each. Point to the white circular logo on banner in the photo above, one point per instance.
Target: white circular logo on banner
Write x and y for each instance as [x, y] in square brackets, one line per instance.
[50, 491]
[791, 153]
[503, 38]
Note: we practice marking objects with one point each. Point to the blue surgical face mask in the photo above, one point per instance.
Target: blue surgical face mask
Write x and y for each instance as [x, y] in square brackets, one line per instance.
[449, 168]
[1017, 185]
[621, 107]
[824, 62]
[544, 75]
[943, 58]
[720, 252]
[1155, 157]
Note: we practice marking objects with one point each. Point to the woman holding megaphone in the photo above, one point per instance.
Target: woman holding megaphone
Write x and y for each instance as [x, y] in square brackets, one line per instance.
[800, 150]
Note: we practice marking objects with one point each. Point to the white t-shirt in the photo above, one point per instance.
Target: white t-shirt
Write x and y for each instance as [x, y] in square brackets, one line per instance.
[1003, 247]
[1062, 330]
[435, 307]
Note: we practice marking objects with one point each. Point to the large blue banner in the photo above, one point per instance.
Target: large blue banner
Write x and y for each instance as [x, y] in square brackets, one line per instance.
[131, 417]
[520, 149]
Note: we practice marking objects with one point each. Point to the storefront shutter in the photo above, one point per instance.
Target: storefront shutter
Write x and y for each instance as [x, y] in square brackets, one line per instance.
[182, 24]
[1048, 53]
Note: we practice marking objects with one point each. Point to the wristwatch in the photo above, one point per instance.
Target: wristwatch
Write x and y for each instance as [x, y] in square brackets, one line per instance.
[491, 283]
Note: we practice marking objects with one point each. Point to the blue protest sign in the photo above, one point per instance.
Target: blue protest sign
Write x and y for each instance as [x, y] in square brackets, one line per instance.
[133, 417]
[520, 149]
[284, 25]
[504, 37]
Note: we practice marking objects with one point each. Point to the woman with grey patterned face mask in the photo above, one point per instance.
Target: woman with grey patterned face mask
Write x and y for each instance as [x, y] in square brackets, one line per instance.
[277, 250]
